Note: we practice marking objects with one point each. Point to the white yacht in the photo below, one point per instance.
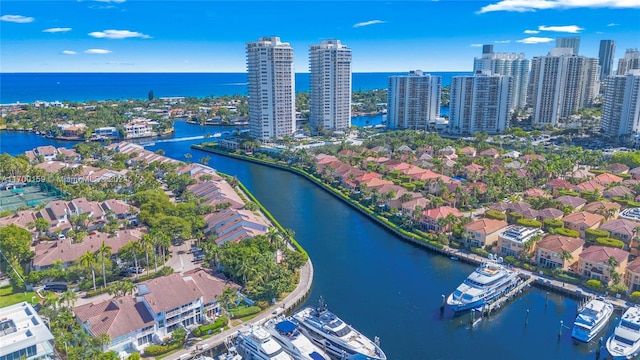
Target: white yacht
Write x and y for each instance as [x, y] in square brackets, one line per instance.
[337, 338]
[294, 342]
[255, 343]
[592, 319]
[624, 343]
[487, 282]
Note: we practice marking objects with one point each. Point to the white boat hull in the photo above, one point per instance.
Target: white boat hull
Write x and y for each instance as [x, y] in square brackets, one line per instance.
[585, 336]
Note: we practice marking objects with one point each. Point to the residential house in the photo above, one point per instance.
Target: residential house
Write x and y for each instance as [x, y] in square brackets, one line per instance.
[533, 193]
[617, 168]
[549, 213]
[594, 263]
[24, 335]
[513, 240]
[556, 251]
[408, 207]
[635, 173]
[581, 221]
[491, 152]
[469, 151]
[606, 179]
[632, 275]
[591, 186]
[47, 152]
[556, 185]
[216, 192]
[605, 208]
[483, 231]
[621, 229]
[618, 191]
[120, 209]
[574, 201]
[230, 220]
[430, 217]
[631, 214]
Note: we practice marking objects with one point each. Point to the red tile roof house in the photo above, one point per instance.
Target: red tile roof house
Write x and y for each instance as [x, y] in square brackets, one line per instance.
[582, 221]
[580, 175]
[483, 232]
[602, 207]
[128, 323]
[229, 220]
[635, 173]
[549, 213]
[617, 168]
[632, 276]
[618, 191]
[216, 192]
[469, 151]
[473, 168]
[47, 152]
[589, 186]
[430, 217]
[408, 207]
[46, 253]
[532, 193]
[556, 185]
[550, 249]
[594, 263]
[574, 201]
[621, 229]
[530, 214]
[606, 179]
[491, 153]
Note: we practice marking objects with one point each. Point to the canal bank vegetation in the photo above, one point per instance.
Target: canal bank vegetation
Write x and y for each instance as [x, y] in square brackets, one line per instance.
[465, 179]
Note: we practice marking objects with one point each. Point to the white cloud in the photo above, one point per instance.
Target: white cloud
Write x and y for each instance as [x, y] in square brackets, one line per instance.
[533, 5]
[612, 24]
[367, 23]
[68, 52]
[97, 51]
[502, 41]
[535, 40]
[56, 30]
[17, 19]
[574, 29]
[475, 45]
[118, 34]
[531, 32]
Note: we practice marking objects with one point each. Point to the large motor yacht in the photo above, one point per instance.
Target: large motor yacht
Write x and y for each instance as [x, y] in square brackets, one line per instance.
[293, 341]
[489, 281]
[591, 320]
[329, 332]
[255, 343]
[624, 343]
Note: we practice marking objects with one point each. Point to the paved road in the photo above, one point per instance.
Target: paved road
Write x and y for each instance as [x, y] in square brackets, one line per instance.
[306, 279]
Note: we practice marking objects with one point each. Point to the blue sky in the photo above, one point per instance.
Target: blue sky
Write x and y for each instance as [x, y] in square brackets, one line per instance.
[210, 36]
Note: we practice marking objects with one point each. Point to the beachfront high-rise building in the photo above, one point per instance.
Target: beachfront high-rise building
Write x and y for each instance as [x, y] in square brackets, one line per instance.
[271, 83]
[413, 101]
[514, 65]
[560, 83]
[569, 42]
[621, 105]
[630, 61]
[605, 57]
[480, 103]
[330, 84]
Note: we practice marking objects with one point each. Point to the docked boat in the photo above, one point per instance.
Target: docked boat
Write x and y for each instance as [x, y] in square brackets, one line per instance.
[624, 343]
[591, 320]
[232, 354]
[330, 333]
[293, 341]
[255, 343]
[488, 282]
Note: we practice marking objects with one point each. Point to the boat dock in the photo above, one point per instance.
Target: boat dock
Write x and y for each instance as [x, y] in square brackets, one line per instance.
[507, 296]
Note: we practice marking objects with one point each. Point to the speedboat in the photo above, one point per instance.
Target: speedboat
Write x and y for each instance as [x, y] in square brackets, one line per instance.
[293, 341]
[488, 282]
[591, 319]
[255, 343]
[624, 343]
[330, 333]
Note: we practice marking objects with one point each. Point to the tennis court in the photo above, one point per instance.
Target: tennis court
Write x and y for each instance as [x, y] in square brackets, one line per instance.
[28, 196]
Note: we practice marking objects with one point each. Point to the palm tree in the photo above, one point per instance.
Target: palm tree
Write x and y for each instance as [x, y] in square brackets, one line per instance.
[146, 242]
[88, 260]
[103, 252]
[565, 255]
[69, 298]
[613, 263]
[229, 296]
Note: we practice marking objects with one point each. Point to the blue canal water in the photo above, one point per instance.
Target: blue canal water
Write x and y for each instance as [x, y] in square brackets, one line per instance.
[382, 286]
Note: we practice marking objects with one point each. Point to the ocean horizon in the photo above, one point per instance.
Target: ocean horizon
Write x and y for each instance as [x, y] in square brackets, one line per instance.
[82, 86]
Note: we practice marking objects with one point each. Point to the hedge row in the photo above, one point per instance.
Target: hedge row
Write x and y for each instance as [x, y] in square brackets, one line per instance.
[155, 350]
[211, 328]
[92, 293]
[166, 270]
[610, 242]
[242, 311]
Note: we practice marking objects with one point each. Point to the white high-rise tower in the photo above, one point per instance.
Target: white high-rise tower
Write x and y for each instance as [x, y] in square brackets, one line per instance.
[413, 101]
[560, 83]
[271, 82]
[630, 61]
[480, 103]
[621, 105]
[514, 65]
[330, 84]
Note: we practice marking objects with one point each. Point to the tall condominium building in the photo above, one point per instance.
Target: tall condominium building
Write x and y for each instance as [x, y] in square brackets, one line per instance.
[605, 57]
[413, 101]
[271, 82]
[630, 61]
[569, 42]
[330, 84]
[480, 103]
[621, 105]
[514, 65]
[560, 83]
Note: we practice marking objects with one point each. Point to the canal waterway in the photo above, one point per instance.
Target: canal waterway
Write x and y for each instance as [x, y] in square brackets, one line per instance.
[382, 286]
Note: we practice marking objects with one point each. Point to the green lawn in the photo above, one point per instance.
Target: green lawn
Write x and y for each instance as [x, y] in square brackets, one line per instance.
[7, 297]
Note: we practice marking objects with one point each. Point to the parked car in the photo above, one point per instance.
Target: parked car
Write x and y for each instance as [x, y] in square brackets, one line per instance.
[56, 287]
[125, 272]
[136, 270]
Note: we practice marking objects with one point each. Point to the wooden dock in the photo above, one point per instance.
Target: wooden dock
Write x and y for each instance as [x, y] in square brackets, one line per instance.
[509, 295]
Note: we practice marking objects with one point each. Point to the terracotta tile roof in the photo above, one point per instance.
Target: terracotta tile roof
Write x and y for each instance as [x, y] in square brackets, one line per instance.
[530, 213]
[583, 217]
[441, 212]
[490, 152]
[468, 150]
[607, 178]
[635, 170]
[557, 243]
[412, 204]
[617, 168]
[115, 317]
[21, 219]
[486, 226]
[601, 254]
[634, 266]
[536, 193]
[620, 226]
[168, 292]
[581, 174]
[573, 201]
[595, 206]
[45, 150]
[474, 167]
[210, 286]
[559, 183]
[618, 191]
[550, 213]
[119, 207]
[414, 170]
[589, 186]
[375, 182]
